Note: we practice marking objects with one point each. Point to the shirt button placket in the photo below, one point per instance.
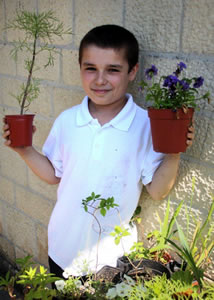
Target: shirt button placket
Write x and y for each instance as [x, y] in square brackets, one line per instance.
[97, 146]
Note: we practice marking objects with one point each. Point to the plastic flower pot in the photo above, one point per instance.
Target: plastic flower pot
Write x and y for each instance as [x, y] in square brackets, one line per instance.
[109, 273]
[169, 129]
[21, 128]
[142, 266]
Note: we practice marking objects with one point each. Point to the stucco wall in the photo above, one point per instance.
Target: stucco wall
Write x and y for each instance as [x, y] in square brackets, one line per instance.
[168, 31]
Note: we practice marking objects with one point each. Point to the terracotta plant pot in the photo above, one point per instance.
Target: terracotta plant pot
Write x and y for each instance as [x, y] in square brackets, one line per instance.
[20, 129]
[169, 129]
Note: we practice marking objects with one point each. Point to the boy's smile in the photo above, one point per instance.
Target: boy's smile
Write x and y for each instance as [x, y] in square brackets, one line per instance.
[105, 77]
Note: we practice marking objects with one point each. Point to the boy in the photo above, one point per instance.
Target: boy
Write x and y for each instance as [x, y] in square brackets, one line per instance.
[104, 146]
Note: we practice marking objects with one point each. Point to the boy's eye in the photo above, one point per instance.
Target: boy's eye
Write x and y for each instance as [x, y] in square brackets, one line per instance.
[113, 70]
[90, 69]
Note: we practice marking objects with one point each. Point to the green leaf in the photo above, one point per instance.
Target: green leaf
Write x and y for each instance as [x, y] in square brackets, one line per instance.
[205, 253]
[173, 219]
[183, 276]
[164, 227]
[182, 237]
[103, 211]
[117, 240]
[117, 229]
[200, 232]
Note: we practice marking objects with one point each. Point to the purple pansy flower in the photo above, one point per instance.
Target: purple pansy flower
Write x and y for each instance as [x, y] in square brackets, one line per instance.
[170, 81]
[185, 85]
[151, 72]
[198, 82]
[181, 66]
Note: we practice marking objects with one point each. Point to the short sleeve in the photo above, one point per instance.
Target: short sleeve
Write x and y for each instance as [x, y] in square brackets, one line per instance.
[151, 162]
[51, 150]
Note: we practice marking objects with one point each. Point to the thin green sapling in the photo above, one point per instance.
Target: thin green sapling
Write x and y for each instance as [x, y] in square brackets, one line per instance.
[96, 203]
[39, 31]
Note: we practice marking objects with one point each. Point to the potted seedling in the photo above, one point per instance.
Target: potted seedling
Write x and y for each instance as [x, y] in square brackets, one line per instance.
[172, 103]
[38, 31]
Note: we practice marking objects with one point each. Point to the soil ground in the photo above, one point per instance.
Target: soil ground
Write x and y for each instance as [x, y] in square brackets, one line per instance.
[4, 267]
[4, 295]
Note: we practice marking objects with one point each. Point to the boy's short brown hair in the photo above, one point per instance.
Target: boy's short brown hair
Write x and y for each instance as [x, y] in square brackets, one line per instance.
[115, 37]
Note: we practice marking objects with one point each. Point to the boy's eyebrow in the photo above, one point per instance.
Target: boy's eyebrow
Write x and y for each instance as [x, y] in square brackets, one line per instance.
[116, 66]
[88, 64]
[111, 65]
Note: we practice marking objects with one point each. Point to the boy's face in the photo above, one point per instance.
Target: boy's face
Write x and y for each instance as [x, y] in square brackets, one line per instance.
[104, 74]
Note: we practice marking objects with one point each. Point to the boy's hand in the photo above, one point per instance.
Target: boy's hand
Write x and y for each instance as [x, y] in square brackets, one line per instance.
[190, 136]
[5, 135]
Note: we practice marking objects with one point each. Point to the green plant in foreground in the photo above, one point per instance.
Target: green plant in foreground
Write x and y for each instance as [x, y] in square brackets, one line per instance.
[138, 251]
[194, 249]
[197, 251]
[165, 232]
[76, 288]
[8, 282]
[34, 283]
[161, 288]
[39, 31]
[103, 206]
[95, 204]
[37, 283]
[118, 233]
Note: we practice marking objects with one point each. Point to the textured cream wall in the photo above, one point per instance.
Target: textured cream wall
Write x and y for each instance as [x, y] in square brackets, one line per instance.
[168, 31]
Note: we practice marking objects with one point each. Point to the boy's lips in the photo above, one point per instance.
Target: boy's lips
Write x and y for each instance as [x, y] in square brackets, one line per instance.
[100, 91]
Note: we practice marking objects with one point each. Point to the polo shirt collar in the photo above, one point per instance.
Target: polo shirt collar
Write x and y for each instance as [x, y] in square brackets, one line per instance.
[121, 121]
[125, 117]
[83, 115]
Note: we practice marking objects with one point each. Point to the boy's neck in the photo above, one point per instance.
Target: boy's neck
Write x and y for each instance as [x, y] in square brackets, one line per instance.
[105, 113]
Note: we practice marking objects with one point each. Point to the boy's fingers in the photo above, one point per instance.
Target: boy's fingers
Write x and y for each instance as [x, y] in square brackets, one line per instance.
[189, 143]
[191, 129]
[5, 126]
[7, 143]
[190, 135]
[5, 134]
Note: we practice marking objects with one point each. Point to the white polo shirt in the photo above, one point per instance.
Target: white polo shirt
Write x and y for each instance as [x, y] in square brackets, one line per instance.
[115, 159]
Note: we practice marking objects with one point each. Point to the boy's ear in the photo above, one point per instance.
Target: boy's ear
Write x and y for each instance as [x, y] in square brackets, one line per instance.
[133, 72]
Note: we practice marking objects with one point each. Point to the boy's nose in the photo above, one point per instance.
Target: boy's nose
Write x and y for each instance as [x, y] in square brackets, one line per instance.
[100, 79]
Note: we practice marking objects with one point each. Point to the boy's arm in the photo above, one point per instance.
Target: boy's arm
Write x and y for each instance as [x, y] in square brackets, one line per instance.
[37, 162]
[164, 177]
